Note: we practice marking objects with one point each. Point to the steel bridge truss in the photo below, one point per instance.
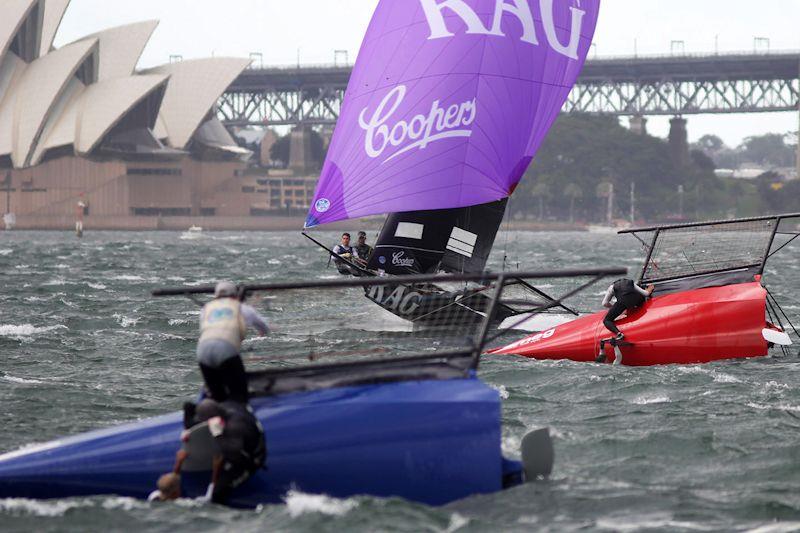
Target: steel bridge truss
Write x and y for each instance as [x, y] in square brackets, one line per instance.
[669, 97]
[319, 105]
[657, 85]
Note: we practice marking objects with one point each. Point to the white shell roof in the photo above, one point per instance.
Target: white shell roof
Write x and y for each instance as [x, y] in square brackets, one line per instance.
[53, 14]
[194, 88]
[107, 103]
[37, 92]
[12, 14]
[96, 110]
[11, 69]
[59, 129]
[121, 48]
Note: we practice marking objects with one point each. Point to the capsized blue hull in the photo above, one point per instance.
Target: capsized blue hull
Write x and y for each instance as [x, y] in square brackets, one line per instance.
[431, 441]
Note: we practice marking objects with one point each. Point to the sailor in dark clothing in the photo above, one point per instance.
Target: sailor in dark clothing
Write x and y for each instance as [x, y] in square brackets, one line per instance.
[628, 297]
[243, 450]
[362, 249]
[240, 449]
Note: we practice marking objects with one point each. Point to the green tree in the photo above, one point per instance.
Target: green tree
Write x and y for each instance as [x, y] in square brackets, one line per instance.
[541, 191]
[710, 144]
[770, 150]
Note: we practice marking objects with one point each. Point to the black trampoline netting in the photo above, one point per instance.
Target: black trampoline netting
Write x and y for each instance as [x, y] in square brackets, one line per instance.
[691, 250]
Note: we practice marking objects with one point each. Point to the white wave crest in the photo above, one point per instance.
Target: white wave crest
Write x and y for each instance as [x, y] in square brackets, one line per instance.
[457, 521]
[50, 508]
[510, 445]
[721, 377]
[125, 321]
[298, 503]
[98, 286]
[502, 390]
[781, 406]
[6, 251]
[26, 330]
[645, 400]
[22, 381]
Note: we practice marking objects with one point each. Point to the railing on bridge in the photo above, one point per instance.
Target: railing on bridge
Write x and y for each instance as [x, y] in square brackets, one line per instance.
[680, 84]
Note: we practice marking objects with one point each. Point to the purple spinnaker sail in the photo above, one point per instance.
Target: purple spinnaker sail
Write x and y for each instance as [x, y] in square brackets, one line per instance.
[449, 101]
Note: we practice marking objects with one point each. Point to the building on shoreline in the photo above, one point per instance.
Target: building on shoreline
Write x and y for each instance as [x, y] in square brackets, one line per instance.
[80, 125]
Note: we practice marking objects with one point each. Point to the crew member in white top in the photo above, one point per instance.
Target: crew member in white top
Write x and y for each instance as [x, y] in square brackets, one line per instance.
[223, 324]
[345, 251]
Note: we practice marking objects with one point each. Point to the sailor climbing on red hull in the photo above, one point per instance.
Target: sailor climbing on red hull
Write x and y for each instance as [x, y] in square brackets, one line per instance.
[628, 296]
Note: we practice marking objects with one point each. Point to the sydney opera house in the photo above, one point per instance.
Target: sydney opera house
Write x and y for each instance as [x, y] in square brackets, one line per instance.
[80, 124]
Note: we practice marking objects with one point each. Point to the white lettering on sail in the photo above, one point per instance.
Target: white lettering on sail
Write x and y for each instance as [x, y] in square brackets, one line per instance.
[418, 132]
[570, 50]
[520, 9]
[433, 12]
[398, 300]
[399, 259]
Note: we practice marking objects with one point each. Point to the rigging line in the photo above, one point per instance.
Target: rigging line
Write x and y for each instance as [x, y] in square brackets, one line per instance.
[508, 229]
[782, 312]
[543, 295]
[784, 245]
[554, 303]
[457, 301]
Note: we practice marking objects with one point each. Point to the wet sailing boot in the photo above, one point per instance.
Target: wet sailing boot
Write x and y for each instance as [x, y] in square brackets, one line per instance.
[601, 356]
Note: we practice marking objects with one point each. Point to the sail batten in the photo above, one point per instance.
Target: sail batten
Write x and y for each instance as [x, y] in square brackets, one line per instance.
[448, 103]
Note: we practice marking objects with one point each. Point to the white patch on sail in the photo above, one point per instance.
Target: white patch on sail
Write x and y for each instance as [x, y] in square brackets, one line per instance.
[409, 230]
[462, 242]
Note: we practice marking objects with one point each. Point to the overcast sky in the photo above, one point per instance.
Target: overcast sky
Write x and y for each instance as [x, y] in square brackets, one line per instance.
[283, 30]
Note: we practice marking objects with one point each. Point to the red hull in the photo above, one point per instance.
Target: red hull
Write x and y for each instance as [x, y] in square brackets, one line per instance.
[696, 326]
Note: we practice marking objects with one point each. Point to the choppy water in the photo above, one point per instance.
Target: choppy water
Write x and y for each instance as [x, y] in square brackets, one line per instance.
[708, 447]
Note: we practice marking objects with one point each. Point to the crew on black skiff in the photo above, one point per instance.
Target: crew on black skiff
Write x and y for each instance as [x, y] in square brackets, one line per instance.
[223, 325]
[345, 251]
[362, 249]
[629, 296]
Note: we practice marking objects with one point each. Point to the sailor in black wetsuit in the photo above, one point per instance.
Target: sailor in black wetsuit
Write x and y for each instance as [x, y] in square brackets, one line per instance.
[240, 441]
[628, 297]
[243, 450]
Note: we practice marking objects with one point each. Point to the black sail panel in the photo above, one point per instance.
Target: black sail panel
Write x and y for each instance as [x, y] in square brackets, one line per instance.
[452, 240]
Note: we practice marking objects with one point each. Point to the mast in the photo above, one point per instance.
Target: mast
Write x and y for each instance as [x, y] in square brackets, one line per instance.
[633, 201]
[610, 212]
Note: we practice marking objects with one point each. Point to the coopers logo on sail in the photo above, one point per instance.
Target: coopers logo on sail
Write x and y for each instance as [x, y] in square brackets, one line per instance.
[439, 123]
[455, 119]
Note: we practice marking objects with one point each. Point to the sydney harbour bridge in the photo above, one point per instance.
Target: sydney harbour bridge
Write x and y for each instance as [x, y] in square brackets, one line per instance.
[675, 85]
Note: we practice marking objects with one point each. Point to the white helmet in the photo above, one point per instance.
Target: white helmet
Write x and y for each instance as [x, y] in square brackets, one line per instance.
[225, 289]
